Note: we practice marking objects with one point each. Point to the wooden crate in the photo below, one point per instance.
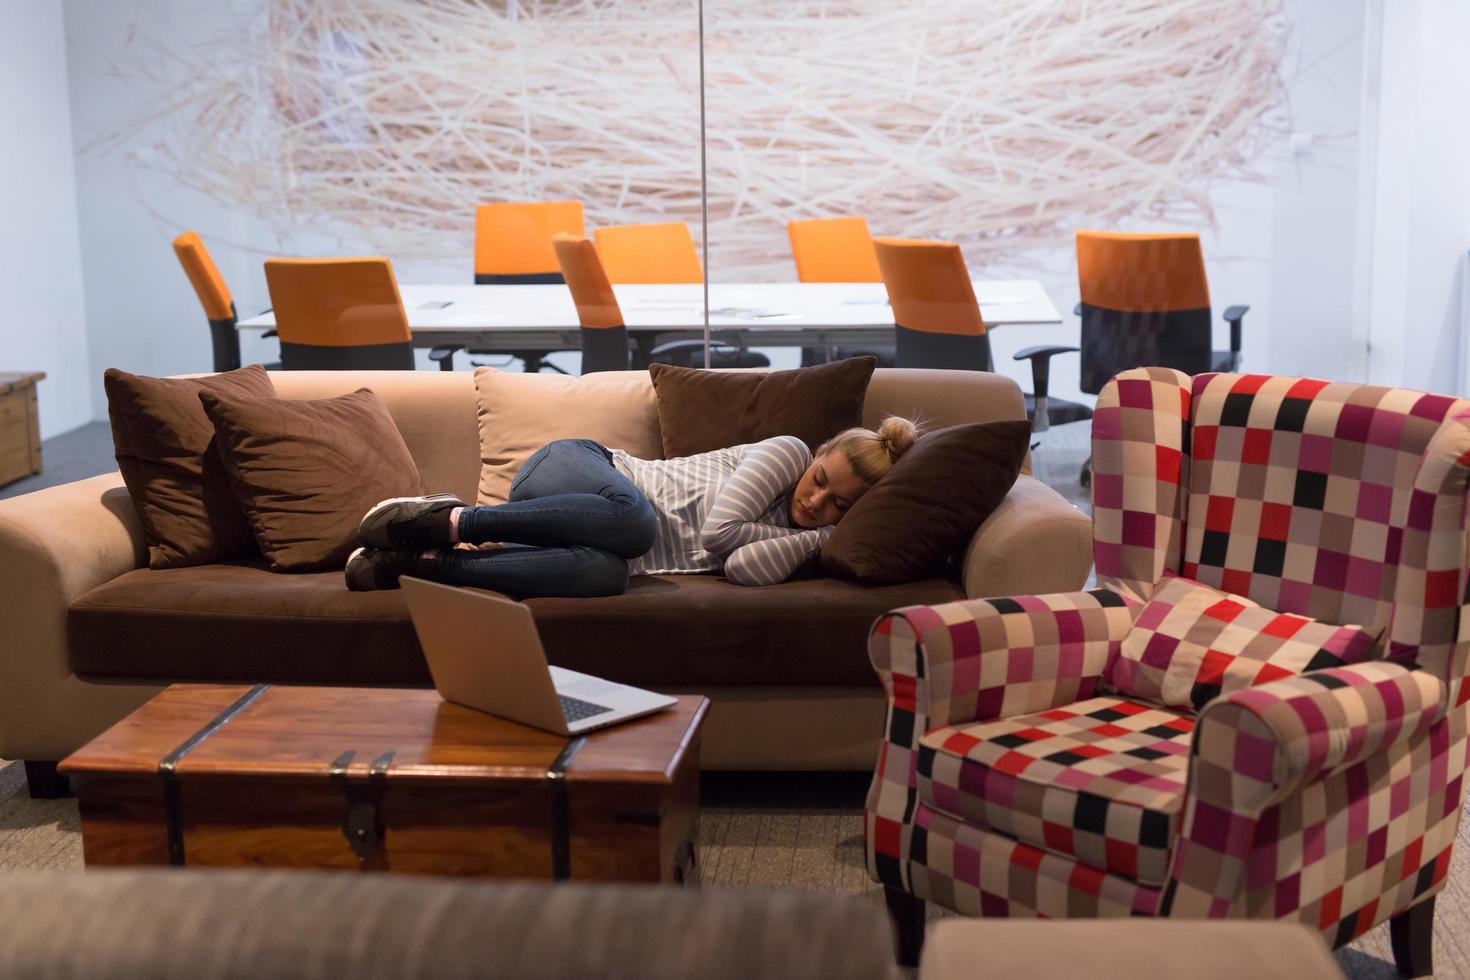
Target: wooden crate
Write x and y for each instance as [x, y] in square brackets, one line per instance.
[387, 780]
[20, 426]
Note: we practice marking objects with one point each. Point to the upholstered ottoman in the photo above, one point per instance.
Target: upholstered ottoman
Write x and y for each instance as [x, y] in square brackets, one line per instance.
[1125, 949]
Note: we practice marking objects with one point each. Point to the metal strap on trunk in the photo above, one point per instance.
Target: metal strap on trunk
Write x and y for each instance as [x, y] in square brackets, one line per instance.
[561, 810]
[363, 823]
[173, 806]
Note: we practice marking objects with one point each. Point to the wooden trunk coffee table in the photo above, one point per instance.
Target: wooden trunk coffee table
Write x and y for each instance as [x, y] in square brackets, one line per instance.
[215, 775]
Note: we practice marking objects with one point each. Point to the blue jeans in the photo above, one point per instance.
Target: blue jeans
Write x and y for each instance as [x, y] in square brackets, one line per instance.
[574, 521]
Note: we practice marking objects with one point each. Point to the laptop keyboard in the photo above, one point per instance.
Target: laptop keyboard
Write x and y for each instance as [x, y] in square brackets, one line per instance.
[575, 709]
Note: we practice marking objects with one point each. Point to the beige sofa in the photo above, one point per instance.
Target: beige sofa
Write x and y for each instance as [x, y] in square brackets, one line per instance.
[90, 632]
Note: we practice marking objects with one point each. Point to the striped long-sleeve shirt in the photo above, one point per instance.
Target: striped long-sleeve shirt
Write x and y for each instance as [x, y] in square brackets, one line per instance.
[727, 509]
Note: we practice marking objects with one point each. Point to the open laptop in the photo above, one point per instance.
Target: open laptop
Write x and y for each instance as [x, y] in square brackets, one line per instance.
[484, 653]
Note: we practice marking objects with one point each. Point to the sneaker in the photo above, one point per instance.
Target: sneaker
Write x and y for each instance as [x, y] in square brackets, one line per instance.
[409, 522]
[370, 569]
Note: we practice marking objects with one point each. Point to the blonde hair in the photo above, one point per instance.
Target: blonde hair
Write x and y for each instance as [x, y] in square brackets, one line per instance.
[872, 454]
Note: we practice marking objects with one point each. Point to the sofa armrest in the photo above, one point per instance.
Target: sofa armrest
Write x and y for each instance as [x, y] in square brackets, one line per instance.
[56, 544]
[1256, 747]
[1035, 543]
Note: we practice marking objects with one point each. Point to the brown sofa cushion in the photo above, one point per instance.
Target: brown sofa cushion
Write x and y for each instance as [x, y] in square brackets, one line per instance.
[165, 450]
[912, 522]
[306, 471]
[239, 622]
[700, 411]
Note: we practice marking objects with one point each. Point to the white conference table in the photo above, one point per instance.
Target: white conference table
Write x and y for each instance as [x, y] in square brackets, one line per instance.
[782, 314]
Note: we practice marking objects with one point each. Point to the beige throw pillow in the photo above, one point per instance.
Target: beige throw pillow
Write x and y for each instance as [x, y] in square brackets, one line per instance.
[520, 413]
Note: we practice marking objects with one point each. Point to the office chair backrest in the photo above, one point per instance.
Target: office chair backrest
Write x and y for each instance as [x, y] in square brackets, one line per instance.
[649, 253]
[1145, 303]
[833, 250]
[204, 276]
[214, 296]
[604, 337]
[513, 240]
[938, 322]
[339, 314]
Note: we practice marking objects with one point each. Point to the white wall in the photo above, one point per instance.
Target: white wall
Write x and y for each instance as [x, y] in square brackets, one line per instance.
[1304, 318]
[1420, 228]
[44, 327]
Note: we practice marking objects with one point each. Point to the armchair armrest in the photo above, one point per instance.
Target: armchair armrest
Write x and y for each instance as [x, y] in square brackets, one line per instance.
[971, 661]
[981, 659]
[1255, 748]
[1034, 543]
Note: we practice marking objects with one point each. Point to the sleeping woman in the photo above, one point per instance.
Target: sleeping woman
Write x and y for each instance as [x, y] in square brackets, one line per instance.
[582, 518]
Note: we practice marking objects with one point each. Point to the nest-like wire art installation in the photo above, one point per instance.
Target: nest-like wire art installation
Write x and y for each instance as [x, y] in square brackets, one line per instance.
[1001, 124]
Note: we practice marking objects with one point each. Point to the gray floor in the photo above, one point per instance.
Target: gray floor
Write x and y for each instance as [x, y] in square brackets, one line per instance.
[73, 455]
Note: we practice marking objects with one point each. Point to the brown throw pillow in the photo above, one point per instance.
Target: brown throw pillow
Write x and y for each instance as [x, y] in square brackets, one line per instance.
[306, 471]
[165, 450]
[701, 410]
[913, 521]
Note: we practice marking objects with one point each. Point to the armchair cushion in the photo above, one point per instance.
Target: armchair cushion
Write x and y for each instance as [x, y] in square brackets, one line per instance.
[1101, 780]
[1191, 643]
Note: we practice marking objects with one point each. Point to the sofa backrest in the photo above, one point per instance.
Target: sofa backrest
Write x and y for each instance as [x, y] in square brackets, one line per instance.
[436, 410]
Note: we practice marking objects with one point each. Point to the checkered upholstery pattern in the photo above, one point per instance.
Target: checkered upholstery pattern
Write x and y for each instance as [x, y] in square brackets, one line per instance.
[1101, 780]
[1331, 797]
[1299, 491]
[1140, 467]
[1192, 643]
[968, 868]
[1430, 589]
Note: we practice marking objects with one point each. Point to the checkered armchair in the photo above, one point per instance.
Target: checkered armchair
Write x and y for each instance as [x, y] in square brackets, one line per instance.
[1012, 781]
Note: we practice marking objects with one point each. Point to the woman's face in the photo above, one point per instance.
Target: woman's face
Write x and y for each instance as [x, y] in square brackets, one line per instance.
[825, 491]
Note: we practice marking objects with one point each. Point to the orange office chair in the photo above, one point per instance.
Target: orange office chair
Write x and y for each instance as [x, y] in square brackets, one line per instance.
[214, 296]
[833, 250]
[938, 323]
[649, 253]
[604, 336]
[604, 333]
[836, 250]
[341, 314]
[513, 247]
[513, 240]
[1146, 303]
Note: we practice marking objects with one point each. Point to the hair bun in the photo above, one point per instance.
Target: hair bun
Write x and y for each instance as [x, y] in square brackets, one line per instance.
[898, 435]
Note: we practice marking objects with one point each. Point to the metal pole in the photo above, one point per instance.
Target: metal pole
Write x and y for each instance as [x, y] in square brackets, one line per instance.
[703, 187]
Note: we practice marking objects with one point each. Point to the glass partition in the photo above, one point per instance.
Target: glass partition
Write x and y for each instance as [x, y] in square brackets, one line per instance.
[1001, 126]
